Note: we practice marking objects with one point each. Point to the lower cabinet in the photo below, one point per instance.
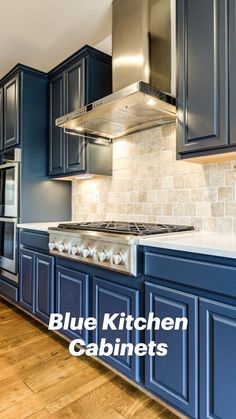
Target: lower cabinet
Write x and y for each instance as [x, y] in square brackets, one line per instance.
[217, 360]
[113, 298]
[27, 283]
[72, 296]
[36, 287]
[173, 377]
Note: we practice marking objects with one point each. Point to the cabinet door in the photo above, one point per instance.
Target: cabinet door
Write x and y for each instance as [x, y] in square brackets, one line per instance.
[74, 99]
[232, 71]
[1, 118]
[72, 296]
[173, 377]
[11, 112]
[217, 360]
[27, 289]
[44, 286]
[113, 298]
[56, 135]
[202, 75]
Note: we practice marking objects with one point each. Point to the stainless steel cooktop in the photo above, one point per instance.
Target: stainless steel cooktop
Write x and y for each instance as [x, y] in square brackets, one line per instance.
[108, 244]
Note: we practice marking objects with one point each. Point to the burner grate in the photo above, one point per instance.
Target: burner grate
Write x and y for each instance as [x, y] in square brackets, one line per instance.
[120, 227]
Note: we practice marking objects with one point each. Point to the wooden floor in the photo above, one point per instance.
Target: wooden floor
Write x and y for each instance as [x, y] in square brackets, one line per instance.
[39, 379]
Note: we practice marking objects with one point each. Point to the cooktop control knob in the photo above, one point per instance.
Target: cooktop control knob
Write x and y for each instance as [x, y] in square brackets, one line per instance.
[52, 246]
[103, 256]
[62, 247]
[87, 252]
[75, 250]
[118, 259]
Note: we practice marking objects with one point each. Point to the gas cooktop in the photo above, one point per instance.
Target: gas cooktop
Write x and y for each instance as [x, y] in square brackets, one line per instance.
[107, 244]
[131, 228]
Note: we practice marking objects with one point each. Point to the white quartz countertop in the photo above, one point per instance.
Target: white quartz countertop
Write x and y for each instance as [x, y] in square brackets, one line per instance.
[215, 244]
[41, 226]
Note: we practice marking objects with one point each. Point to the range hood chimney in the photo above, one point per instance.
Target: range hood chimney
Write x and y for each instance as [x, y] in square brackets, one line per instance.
[143, 64]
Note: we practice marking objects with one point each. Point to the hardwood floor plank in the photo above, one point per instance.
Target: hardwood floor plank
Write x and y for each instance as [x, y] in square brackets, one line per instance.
[40, 380]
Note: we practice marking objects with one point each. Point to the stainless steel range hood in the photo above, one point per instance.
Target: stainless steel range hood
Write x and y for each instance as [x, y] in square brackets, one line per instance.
[142, 43]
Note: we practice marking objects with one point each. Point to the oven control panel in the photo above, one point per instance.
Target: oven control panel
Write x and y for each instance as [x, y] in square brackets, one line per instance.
[108, 255]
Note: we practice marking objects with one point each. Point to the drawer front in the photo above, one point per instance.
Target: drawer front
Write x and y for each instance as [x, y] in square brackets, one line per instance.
[8, 290]
[194, 273]
[34, 239]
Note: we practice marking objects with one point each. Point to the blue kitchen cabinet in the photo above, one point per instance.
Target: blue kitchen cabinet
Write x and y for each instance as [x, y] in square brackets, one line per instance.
[109, 297]
[44, 286]
[36, 287]
[56, 135]
[72, 296]
[173, 377]
[1, 118]
[27, 284]
[217, 360]
[11, 111]
[82, 78]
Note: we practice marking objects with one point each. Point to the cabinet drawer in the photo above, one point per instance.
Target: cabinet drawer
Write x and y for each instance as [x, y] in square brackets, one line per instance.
[195, 273]
[8, 290]
[34, 239]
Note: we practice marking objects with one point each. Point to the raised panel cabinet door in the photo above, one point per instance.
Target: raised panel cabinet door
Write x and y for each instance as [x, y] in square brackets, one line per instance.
[114, 298]
[1, 118]
[232, 71]
[202, 80]
[44, 286]
[11, 109]
[74, 99]
[72, 296]
[217, 360]
[56, 135]
[173, 377]
[27, 283]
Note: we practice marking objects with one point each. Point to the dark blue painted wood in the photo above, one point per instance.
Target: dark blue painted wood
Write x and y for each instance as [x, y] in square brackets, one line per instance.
[74, 78]
[27, 283]
[112, 298]
[192, 272]
[9, 291]
[173, 377]
[11, 111]
[202, 89]
[41, 197]
[56, 135]
[44, 286]
[1, 118]
[34, 239]
[72, 295]
[232, 71]
[217, 360]
[79, 80]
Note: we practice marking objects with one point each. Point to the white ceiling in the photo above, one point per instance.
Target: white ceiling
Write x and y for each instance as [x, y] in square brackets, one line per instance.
[42, 33]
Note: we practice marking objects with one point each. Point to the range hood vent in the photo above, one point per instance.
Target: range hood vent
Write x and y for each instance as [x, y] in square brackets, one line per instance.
[142, 41]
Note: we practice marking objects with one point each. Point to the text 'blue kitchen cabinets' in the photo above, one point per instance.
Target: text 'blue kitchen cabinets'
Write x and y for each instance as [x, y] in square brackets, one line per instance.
[36, 287]
[82, 78]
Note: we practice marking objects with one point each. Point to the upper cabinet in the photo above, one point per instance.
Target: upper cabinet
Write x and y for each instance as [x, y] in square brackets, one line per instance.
[11, 112]
[1, 118]
[81, 79]
[206, 81]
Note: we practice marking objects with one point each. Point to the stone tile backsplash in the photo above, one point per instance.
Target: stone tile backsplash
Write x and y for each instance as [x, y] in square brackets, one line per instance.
[150, 185]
